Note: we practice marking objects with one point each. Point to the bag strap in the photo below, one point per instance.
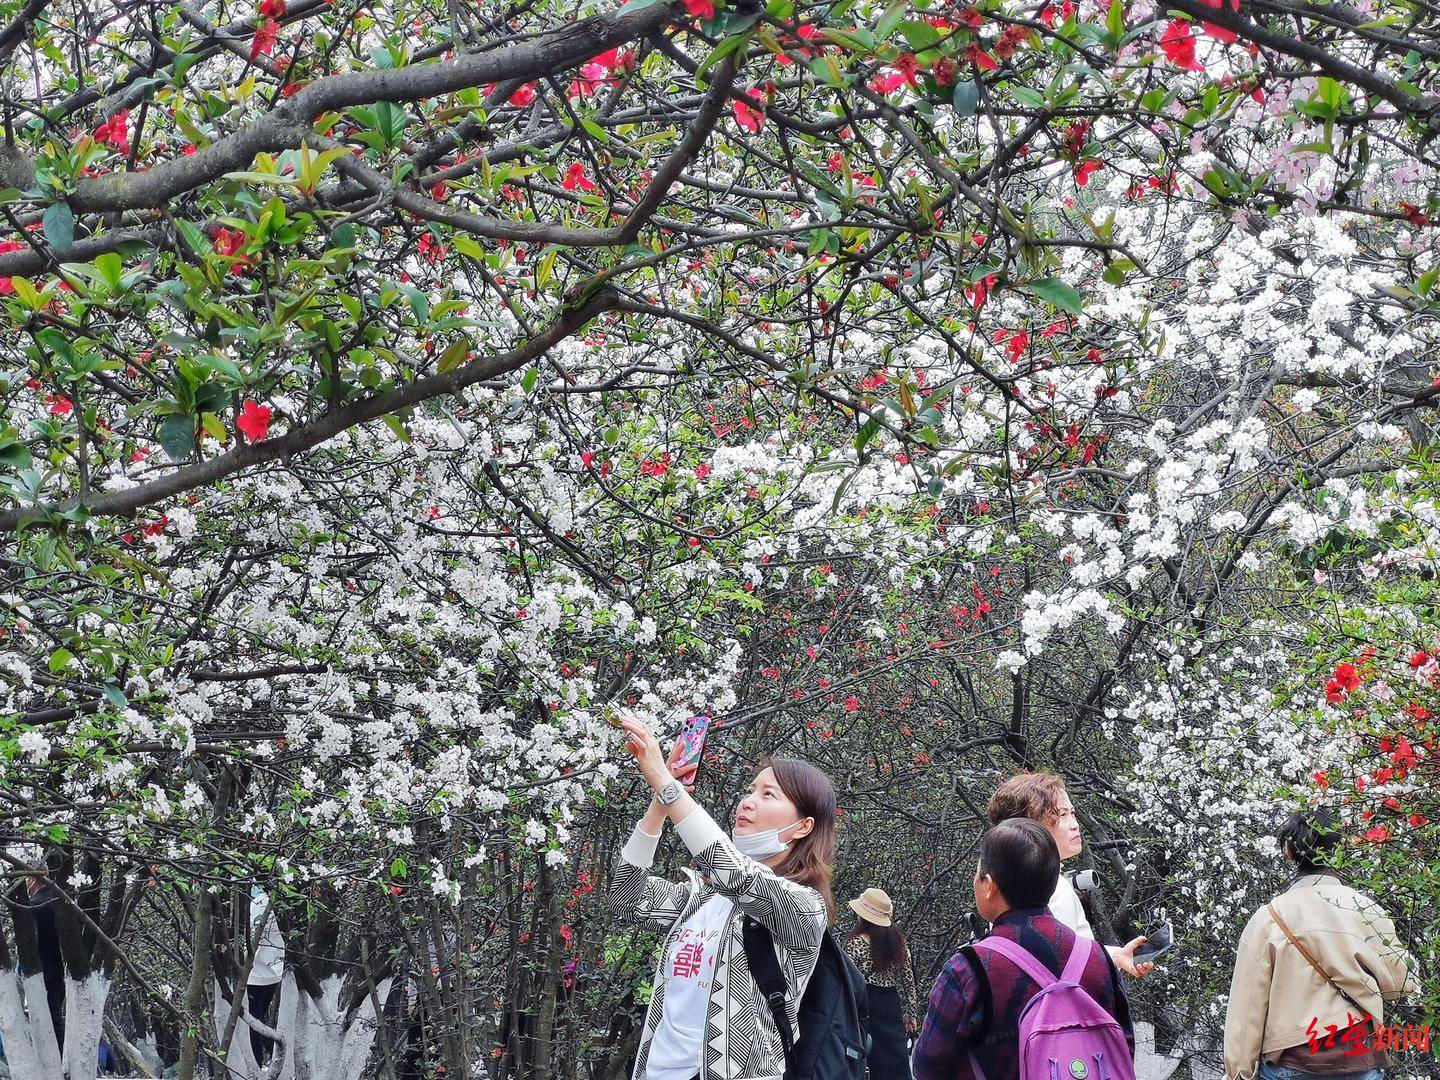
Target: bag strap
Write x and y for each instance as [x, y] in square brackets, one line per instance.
[1020, 957]
[1080, 954]
[765, 967]
[1315, 963]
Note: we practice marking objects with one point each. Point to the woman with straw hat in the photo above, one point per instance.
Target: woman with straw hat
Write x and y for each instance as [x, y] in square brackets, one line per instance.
[878, 948]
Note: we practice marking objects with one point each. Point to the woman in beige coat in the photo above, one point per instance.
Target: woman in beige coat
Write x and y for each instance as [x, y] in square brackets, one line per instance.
[1313, 972]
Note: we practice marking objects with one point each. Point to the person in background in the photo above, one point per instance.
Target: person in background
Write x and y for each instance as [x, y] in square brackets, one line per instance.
[266, 971]
[973, 1026]
[1318, 962]
[44, 900]
[878, 948]
[1041, 797]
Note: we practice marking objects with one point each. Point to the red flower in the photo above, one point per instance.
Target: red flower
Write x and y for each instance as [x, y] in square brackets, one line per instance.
[1219, 33]
[1347, 675]
[980, 58]
[747, 116]
[523, 95]
[115, 131]
[906, 64]
[1084, 170]
[228, 241]
[587, 458]
[702, 471]
[272, 9]
[1419, 820]
[1379, 834]
[1177, 44]
[254, 422]
[1334, 692]
[431, 249]
[575, 178]
[263, 43]
[1011, 38]
[1419, 659]
[852, 703]
[1414, 215]
[700, 9]
[60, 405]
[1322, 780]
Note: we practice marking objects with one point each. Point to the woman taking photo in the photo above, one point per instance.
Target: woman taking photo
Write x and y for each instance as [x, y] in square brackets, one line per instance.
[879, 951]
[707, 1019]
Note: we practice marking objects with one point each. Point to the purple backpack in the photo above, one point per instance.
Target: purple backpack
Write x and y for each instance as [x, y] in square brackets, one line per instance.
[1064, 1033]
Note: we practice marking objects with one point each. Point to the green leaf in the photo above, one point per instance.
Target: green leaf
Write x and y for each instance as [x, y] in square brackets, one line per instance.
[214, 426]
[920, 35]
[1115, 22]
[1427, 281]
[60, 660]
[531, 377]
[967, 97]
[395, 424]
[177, 435]
[891, 18]
[15, 455]
[194, 237]
[453, 356]
[59, 225]
[111, 268]
[724, 49]
[116, 697]
[1058, 293]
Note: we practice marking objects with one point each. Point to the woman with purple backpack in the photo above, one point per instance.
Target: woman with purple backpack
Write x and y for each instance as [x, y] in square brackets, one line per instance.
[1033, 1000]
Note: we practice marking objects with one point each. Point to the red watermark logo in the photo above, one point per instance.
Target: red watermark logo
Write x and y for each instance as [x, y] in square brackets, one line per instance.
[1361, 1037]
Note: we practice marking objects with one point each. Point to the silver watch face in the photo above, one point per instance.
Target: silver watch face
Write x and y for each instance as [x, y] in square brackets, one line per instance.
[669, 792]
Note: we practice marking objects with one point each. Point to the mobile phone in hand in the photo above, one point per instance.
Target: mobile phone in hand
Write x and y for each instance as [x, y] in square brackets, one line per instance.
[692, 745]
[1156, 944]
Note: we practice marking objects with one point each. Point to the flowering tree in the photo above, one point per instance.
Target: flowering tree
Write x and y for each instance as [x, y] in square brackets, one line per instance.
[934, 389]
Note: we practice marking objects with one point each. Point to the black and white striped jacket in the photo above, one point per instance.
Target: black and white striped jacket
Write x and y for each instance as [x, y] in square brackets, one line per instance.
[741, 1040]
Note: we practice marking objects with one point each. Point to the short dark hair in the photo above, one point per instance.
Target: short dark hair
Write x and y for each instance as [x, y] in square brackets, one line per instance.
[1310, 836]
[1022, 859]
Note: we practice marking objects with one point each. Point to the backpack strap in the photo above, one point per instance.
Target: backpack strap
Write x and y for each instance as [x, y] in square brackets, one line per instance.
[1020, 957]
[765, 967]
[1080, 954]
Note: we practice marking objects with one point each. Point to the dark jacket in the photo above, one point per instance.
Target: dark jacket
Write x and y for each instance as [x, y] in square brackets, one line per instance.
[977, 1000]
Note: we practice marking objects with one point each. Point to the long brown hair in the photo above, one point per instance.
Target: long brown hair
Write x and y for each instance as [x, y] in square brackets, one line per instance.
[810, 860]
[888, 951]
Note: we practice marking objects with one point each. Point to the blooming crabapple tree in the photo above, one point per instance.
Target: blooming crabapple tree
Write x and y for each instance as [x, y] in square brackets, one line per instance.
[389, 392]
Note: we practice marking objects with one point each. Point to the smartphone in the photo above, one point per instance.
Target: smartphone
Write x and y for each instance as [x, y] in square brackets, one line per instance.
[692, 745]
[1156, 944]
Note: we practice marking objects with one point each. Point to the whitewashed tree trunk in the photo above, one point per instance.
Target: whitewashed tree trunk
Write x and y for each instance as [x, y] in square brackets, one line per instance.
[240, 1063]
[21, 1052]
[360, 1036]
[84, 1015]
[31, 1049]
[318, 1043]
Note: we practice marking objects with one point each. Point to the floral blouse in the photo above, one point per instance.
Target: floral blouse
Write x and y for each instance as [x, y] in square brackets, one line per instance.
[858, 949]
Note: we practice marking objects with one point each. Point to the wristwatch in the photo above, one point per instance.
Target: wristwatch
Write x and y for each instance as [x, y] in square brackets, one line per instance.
[669, 793]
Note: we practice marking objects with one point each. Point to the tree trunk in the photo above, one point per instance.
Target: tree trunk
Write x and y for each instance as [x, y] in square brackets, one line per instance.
[195, 995]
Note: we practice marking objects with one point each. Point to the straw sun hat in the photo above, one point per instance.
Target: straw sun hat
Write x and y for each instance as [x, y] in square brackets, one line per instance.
[873, 905]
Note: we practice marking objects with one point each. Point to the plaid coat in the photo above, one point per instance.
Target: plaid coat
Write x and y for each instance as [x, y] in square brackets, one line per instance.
[741, 1040]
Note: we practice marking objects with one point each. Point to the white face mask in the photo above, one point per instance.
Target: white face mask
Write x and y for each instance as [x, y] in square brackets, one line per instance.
[761, 845]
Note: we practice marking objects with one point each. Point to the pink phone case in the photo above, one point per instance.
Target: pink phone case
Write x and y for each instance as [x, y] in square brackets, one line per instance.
[692, 743]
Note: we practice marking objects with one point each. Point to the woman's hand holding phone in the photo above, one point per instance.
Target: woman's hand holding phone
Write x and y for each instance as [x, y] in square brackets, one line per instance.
[684, 775]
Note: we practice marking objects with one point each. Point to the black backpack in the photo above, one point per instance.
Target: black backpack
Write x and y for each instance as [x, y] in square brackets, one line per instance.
[834, 1013]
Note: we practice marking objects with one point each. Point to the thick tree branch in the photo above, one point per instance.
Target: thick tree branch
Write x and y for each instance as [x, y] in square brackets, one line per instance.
[310, 435]
[290, 122]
